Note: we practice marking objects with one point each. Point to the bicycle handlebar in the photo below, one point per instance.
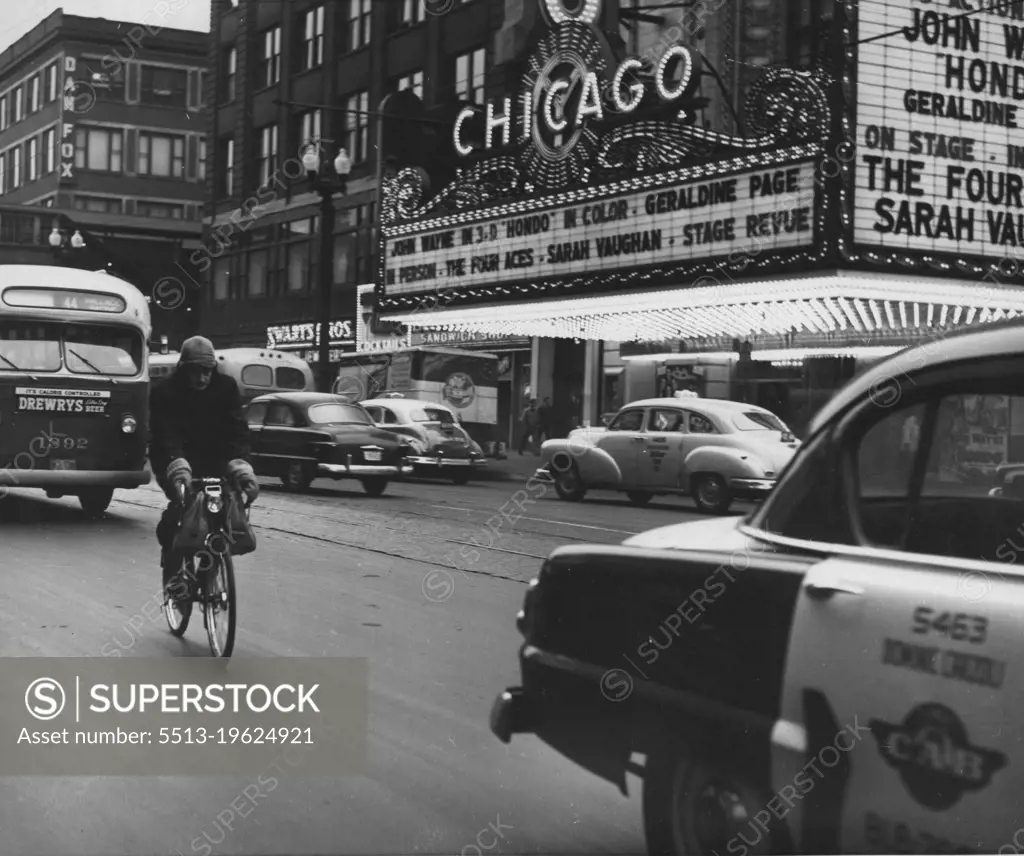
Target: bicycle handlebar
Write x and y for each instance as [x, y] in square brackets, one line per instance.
[203, 482]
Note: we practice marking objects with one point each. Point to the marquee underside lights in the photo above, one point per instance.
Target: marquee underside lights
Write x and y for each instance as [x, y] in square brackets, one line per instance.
[560, 11]
[859, 305]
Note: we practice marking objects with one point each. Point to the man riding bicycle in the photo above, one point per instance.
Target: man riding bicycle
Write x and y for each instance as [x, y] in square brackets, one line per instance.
[197, 431]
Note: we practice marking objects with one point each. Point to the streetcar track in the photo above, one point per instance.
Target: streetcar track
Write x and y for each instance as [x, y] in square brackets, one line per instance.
[376, 550]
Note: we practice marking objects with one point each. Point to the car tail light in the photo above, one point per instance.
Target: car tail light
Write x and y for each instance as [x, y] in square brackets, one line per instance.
[129, 424]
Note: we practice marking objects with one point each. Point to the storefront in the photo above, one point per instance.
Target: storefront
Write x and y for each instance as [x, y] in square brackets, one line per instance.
[304, 340]
[772, 266]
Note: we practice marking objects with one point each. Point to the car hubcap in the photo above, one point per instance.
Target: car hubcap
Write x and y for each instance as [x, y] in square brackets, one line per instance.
[710, 820]
[569, 482]
[710, 491]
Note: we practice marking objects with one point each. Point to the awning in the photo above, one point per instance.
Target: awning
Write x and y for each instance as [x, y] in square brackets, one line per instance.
[817, 304]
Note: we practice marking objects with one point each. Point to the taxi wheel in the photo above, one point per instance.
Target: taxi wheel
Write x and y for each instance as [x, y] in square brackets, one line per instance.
[297, 477]
[712, 494]
[692, 806]
[569, 486]
[95, 501]
[639, 497]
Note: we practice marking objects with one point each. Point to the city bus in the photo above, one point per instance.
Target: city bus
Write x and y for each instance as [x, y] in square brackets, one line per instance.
[256, 371]
[74, 383]
[466, 381]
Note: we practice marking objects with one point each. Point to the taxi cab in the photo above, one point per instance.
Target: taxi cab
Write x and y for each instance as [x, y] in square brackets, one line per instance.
[834, 672]
[714, 450]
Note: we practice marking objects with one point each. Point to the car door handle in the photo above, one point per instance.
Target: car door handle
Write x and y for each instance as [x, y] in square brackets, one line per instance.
[823, 591]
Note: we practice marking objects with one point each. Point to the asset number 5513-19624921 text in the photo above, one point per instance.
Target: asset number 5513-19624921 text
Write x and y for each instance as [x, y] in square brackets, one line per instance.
[227, 736]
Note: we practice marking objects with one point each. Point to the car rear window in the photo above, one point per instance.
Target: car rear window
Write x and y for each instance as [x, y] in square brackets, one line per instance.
[325, 414]
[432, 414]
[757, 420]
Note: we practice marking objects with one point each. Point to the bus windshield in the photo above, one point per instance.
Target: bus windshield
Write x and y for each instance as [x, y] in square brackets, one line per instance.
[83, 348]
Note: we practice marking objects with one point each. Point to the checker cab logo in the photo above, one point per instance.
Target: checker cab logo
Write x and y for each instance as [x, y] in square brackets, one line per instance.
[935, 760]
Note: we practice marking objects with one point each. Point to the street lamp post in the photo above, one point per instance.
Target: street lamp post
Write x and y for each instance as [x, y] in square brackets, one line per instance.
[57, 241]
[326, 182]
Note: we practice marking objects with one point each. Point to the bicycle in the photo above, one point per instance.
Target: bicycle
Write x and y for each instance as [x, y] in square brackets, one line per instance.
[211, 585]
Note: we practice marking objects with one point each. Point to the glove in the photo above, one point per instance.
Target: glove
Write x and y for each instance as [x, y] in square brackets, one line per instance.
[178, 472]
[241, 472]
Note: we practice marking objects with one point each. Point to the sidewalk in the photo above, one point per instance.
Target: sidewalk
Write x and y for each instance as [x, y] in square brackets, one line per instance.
[516, 467]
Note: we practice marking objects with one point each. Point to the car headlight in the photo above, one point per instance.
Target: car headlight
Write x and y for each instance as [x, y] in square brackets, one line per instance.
[129, 424]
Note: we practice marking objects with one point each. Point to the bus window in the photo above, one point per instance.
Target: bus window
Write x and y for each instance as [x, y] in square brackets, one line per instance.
[29, 346]
[257, 375]
[102, 350]
[289, 378]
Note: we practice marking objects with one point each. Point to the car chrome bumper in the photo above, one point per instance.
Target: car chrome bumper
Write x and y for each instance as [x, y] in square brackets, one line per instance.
[74, 479]
[544, 474]
[427, 461]
[751, 487]
[337, 471]
[510, 714]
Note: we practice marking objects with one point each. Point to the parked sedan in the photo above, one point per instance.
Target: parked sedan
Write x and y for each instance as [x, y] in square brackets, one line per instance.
[300, 436]
[714, 450]
[838, 671]
[440, 444]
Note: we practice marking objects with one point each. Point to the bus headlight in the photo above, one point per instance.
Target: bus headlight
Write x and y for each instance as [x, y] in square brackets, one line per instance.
[128, 424]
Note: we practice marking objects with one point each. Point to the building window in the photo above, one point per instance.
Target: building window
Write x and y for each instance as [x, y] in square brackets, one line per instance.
[51, 83]
[3, 114]
[161, 155]
[413, 11]
[313, 38]
[33, 159]
[230, 70]
[268, 153]
[109, 86]
[807, 30]
[49, 151]
[412, 81]
[34, 97]
[310, 127]
[469, 76]
[359, 17]
[271, 56]
[357, 125]
[201, 160]
[226, 158]
[298, 266]
[100, 204]
[3, 174]
[16, 167]
[166, 210]
[98, 149]
[164, 87]
[257, 273]
[19, 103]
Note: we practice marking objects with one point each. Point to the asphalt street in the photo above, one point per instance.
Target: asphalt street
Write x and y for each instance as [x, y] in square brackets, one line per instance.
[424, 582]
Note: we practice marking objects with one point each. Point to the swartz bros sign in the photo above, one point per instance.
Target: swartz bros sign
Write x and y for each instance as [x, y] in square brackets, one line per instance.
[940, 129]
[752, 212]
[291, 336]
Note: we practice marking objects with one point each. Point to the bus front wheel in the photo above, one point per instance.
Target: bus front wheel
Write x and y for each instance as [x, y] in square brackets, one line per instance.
[95, 501]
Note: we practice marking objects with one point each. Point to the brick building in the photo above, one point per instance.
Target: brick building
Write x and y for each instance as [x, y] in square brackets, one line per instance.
[102, 121]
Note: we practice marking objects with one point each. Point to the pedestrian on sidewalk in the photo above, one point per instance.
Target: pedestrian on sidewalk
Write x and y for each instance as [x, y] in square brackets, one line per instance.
[530, 420]
[544, 421]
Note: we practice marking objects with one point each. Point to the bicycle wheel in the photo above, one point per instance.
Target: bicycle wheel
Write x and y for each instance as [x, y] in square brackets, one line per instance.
[219, 605]
[178, 613]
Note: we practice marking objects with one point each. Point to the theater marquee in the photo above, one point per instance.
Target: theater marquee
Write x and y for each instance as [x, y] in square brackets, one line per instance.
[939, 128]
[755, 211]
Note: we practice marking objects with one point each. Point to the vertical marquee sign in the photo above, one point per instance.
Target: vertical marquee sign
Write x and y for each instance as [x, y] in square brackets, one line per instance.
[67, 129]
[940, 127]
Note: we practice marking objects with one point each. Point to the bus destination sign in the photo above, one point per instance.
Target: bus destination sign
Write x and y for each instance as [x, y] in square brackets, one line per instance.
[63, 298]
[50, 400]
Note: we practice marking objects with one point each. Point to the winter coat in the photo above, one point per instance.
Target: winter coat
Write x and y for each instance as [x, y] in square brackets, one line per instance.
[205, 427]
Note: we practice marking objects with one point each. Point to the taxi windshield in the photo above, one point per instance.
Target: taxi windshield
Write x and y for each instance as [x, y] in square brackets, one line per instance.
[758, 420]
[83, 348]
[328, 414]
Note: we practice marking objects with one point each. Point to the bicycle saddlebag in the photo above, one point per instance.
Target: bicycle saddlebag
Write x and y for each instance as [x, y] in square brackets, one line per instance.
[240, 535]
[193, 530]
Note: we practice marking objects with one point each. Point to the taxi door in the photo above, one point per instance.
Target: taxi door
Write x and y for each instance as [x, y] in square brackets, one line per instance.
[899, 730]
[622, 442]
[660, 459]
